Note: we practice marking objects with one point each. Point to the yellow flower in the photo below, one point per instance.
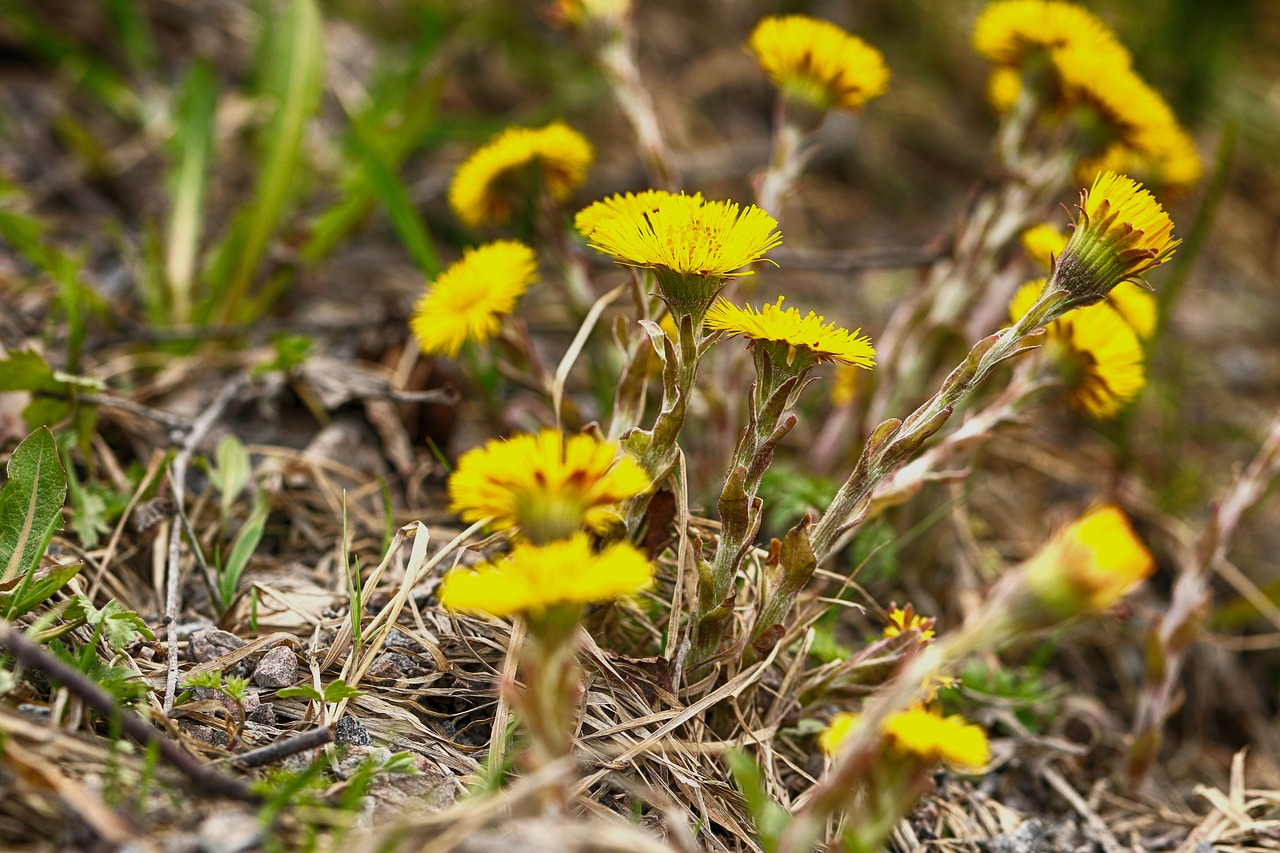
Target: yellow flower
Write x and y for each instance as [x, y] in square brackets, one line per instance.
[1006, 32]
[921, 734]
[903, 619]
[837, 732]
[579, 12]
[825, 341]
[1043, 243]
[1004, 87]
[1089, 565]
[818, 63]
[1122, 232]
[1099, 351]
[642, 204]
[1136, 305]
[687, 235]
[467, 300]
[930, 738]
[547, 486]
[536, 577]
[494, 181]
[844, 385]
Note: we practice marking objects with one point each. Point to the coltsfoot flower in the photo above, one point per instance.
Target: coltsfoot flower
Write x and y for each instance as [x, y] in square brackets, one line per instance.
[495, 180]
[546, 485]
[821, 341]
[818, 63]
[1043, 244]
[691, 244]
[1007, 32]
[534, 578]
[921, 735]
[1089, 565]
[903, 619]
[1097, 349]
[1122, 232]
[468, 300]
[643, 203]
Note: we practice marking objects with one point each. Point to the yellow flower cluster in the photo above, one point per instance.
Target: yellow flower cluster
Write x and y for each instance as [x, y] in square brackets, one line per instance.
[495, 180]
[467, 300]
[1091, 69]
[1089, 565]
[1100, 354]
[824, 341]
[818, 63]
[683, 234]
[533, 578]
[921, 735]
[903, 619]
[546, 485]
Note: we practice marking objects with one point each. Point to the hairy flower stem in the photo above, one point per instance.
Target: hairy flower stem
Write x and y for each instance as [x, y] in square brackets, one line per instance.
[658, 450]
[548, 704]
[893, 442]
[787, 161]
[617, 60]
[1171, 638]
[773, 394]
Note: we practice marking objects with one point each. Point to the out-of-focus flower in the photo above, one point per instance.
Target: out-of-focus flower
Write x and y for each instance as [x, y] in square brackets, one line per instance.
[902, 619]
[468, 300]
[536, 577]
[823, 341]
[499, 177]
[1006, 32]
[921, 735]
[546, 485]
[818, 63]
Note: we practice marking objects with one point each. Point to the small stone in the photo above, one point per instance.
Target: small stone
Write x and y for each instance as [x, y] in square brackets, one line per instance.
[390, 665]
[232, 831]
[278, 668]
[210, 644]
[264, 714]
[352, 731]
[1027, 838]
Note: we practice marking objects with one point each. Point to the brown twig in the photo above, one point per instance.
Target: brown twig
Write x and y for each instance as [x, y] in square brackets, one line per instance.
[202, 778]
[282, 749]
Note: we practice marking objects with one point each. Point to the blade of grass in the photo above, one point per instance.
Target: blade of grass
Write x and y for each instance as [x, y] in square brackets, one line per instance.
[193, 144]
[295, 81]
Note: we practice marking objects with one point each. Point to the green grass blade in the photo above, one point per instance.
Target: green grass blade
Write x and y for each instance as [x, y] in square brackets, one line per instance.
[193, 146]
[295, 81]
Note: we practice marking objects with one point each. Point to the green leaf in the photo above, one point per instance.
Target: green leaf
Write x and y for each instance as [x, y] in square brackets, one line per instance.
[241, 551]
[338, 690]
[295, 82]
[231, 471]
[24, 370]
[118, 625]
[30, 504]
[35, 589]
[302, 691]
[193, 146]
[769, 816]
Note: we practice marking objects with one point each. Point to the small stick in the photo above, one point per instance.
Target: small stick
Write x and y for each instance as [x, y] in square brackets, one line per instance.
[202, 778]
[282, 749]
[178, 481]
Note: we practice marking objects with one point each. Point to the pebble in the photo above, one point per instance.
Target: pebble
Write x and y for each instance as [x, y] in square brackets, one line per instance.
[352, 731]
[278, 668]
[233, 831]
[211, 643]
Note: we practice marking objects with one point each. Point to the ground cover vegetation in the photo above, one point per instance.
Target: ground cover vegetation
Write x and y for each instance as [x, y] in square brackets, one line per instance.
[625, 425]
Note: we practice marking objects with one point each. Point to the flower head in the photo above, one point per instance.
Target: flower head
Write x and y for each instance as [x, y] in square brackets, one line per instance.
[535, 577]
[919, 734]
[547, 486]
[691, 244]
[1097, 348]
[467, 300]
[643, 204]
[903, 619]
[1007, 32]
[929, 737]
[581, 12]
[823, 341]
[818, 63]
[1089, 565]
[1122, 233]
[494, 181]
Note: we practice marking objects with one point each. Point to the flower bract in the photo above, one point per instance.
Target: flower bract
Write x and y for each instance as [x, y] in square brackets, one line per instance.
[496, 180]
[535, 577]
[824, 341]
[548, 486]
[818, 63]
[467, 300]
